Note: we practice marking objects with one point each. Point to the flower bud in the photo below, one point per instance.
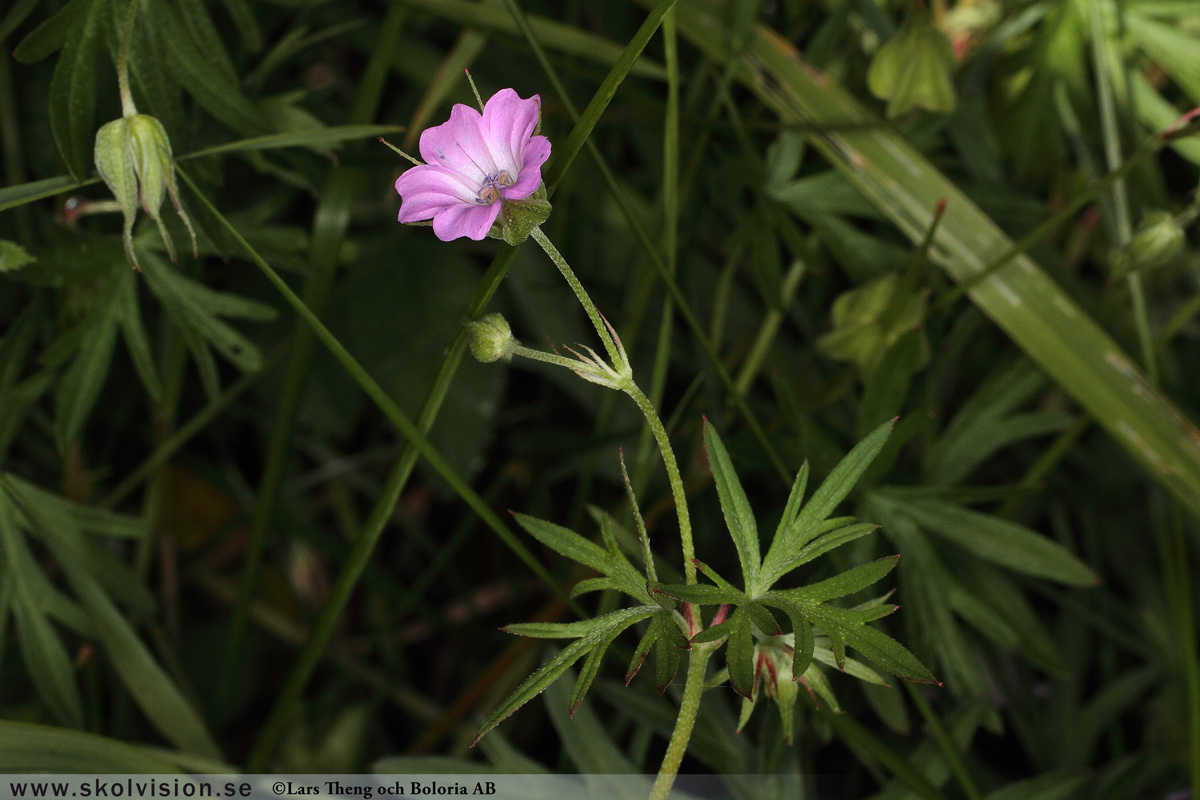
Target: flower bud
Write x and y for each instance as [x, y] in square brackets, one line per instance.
[864, 326]
[490, 338]
[913, 69]
[1158, 239]
[133, 156]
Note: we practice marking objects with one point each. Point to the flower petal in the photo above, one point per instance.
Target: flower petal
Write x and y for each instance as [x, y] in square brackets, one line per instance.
[459, 145]
[530, 177]
[508, 122]
[461, 220]
[424, 189]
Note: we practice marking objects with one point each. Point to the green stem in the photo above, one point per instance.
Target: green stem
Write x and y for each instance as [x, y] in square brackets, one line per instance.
[630, 388]
[677, 491]
[128, 109]
[1112, 151]
[690, 703]
[689, 706]
[584, 300]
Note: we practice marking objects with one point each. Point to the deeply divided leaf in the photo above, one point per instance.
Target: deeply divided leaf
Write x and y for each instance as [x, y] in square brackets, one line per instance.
[739, 517]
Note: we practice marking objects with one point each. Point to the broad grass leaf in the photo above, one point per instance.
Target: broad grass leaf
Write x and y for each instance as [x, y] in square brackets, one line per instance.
[1112, 702]
[550, 33]
[1172, 48]
[25, 747]
[1035, 312]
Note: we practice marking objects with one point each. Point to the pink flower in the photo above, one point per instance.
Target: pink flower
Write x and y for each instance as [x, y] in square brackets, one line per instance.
[473, 162]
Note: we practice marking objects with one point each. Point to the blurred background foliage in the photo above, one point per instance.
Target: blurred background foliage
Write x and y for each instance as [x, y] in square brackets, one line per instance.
[216, 552]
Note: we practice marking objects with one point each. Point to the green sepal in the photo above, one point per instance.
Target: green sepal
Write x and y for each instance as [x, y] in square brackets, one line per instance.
[117, 167]
[518, 218]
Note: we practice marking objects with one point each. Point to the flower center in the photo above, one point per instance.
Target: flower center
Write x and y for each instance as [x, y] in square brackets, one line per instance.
[489, 192]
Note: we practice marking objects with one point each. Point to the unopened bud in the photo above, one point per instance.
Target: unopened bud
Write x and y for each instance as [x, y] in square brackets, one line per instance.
[133, 156]
[490, 338]
[1158, 239]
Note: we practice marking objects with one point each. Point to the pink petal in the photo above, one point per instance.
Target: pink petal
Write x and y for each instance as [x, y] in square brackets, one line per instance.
[461, 220]
[530, 177]
[425, 189]
[508, 122]
[459, 145]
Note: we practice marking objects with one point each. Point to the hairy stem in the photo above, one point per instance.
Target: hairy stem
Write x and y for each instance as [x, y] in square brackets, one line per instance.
[128, 109]
[689, 707]
[584, 299]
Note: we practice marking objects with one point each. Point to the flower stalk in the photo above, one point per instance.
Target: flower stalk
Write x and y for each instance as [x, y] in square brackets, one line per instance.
[128, 109]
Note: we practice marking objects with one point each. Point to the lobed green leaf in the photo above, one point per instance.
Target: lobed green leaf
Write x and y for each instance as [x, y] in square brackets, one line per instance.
[848, 582]
[561, 661]
[739, 517]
